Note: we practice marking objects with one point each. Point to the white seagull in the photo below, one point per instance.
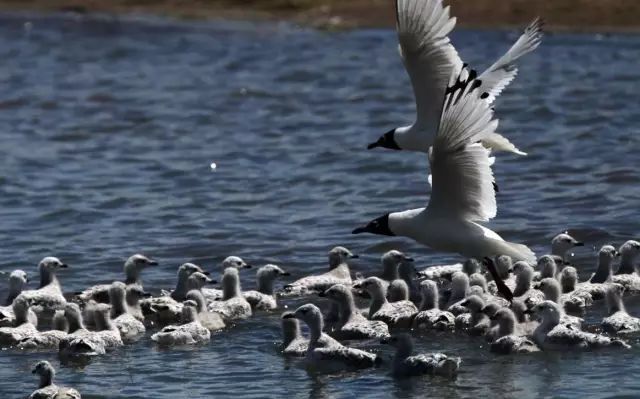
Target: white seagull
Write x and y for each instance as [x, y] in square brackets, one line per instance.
[430, 59]
[463, 190]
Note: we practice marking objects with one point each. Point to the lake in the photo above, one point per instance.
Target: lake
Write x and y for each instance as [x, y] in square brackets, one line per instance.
[108, 128]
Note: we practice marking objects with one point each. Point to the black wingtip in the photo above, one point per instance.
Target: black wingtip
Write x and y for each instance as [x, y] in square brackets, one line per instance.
[397, 13]
[536, 25]
[377, 361]
[495, 187]
[502, 288]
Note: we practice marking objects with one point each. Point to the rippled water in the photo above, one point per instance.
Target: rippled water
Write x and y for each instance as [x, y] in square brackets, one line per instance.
[108, 128]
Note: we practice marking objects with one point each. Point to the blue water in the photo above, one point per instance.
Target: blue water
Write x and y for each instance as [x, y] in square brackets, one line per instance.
[108, 128]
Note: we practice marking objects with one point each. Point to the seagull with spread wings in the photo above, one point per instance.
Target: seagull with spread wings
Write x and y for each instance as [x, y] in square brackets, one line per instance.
[430, 59]
[463, 192]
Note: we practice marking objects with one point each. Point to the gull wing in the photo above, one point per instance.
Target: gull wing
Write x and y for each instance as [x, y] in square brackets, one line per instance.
[463, 183]
[502, 72]
[427, 53]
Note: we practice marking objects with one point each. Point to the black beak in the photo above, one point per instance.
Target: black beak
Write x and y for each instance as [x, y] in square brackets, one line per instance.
[152, 263]
[408, 259]
[289, 316]
[579, 244]
[33, 371]
[373, 145]
[146, 294]
[286, 274]
[211, 281]
[359, 230]
[206, 273]
[354, 256]
[64, 265]
[248, 266]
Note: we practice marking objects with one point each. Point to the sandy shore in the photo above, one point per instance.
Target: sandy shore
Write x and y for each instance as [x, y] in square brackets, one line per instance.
[572, 15]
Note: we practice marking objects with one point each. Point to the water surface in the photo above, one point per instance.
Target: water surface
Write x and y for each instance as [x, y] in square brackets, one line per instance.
[108, 128]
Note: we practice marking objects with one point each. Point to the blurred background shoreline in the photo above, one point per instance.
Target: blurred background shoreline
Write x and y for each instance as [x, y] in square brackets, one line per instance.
[560, 15]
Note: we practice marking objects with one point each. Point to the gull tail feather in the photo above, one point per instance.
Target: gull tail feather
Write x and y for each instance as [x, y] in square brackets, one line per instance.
[497, 142]
[517, 252]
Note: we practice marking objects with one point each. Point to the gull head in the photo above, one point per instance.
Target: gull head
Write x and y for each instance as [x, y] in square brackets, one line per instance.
[378, 226]
[506, 320]
[562, 243]
[309, 313]
[459, 284]
[568, 278]
[474, 303]
[72, 310]
[613, 297]
[548, 311]
[387, 140]
[522, 267]
[18, 279]
[139, 261]
[198, 280]
[44, 369]
[630, 250]
[189, 311]
[608, 253]
[374, 286]
[290, 327]
[235, 261]
[271, 271]
[547, 266]
[402, 341]
[478, 280]
[491, 309]
[551, 288]
[429, 292]
[51, 263]
[338, 293]
[395, 257]
[504, 265]
[471, 266]
[340, 255]
[20, 308]
[187, 269]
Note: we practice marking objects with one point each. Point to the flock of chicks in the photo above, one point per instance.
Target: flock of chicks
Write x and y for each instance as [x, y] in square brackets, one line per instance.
[538, 310]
